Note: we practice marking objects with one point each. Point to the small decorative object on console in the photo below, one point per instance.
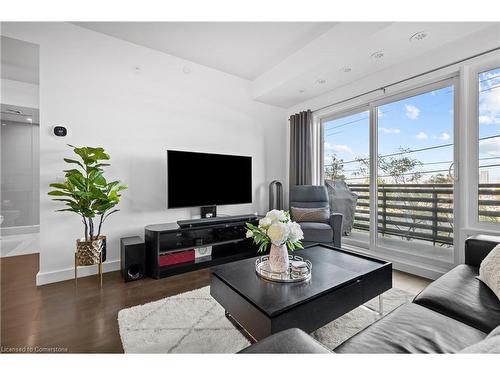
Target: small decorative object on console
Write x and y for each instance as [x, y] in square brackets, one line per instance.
[283, 234]
[202, 251]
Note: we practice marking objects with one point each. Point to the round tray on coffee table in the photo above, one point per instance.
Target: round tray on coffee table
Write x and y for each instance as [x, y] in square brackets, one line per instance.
[263, 269]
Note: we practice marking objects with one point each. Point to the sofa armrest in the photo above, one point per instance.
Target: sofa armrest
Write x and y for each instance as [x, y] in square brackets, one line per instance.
[477, 247]
[290, 341]
[336, 224]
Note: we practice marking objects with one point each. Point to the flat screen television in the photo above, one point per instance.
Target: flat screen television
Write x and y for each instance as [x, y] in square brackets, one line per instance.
[201, 179]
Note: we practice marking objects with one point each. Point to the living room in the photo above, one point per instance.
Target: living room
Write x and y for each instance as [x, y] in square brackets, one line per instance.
[207, 184]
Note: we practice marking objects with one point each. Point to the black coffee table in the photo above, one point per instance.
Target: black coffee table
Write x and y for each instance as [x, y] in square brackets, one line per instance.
[340, 282]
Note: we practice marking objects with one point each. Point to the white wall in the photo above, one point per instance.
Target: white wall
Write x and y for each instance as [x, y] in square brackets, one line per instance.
[136, 103]
[19, 93]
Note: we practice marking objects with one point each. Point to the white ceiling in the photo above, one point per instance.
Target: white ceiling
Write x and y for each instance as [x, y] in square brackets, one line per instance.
[244, 49]
[351, 44]
[284, 61]
[19, 60]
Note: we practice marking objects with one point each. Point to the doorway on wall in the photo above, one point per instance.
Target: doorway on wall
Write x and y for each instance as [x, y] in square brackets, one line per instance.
[19, 135]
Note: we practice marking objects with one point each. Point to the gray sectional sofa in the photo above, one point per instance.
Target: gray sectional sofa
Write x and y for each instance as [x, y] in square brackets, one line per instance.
[455, 313]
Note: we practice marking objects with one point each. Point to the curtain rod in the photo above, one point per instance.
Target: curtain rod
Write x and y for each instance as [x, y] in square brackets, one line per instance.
[408, 79]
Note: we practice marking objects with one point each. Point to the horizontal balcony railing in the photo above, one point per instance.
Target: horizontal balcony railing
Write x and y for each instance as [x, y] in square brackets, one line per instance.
[420, 211]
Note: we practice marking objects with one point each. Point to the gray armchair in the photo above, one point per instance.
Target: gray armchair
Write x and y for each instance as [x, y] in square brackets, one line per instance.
[312, 196]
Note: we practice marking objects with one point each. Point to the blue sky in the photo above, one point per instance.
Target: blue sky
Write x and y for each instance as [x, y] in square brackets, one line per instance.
[489, 121]
[417, 122]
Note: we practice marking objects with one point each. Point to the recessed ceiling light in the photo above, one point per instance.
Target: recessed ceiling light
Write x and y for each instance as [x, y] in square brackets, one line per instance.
[187, 69]
[419, 36]
[29, 119]
[4, 124]
[321, 81]
[346, 69]
[377, 55]
[301, 91]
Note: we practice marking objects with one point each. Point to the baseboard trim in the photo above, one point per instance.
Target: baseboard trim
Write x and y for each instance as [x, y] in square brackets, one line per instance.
[43, 278]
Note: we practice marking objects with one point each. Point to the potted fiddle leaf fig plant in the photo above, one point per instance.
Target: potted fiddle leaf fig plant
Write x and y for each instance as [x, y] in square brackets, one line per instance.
[87, 193]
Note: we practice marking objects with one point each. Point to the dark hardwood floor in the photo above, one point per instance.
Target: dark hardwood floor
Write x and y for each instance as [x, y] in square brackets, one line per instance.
[79, 319]
[83, 319]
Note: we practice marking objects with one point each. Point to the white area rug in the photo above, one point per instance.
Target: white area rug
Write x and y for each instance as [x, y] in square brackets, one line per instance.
[194, 322]
[339, 330]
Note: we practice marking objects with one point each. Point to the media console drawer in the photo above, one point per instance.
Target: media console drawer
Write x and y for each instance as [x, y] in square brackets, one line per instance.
[177, 258]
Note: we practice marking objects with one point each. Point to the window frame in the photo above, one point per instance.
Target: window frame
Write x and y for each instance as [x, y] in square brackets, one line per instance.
[472, 188]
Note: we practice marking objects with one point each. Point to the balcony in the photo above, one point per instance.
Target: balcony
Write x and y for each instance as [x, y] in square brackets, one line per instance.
[420, 211]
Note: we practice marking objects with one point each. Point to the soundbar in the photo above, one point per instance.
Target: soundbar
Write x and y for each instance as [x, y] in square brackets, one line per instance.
[214, 221]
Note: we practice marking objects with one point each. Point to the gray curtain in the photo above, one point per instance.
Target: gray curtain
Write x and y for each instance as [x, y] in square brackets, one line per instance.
[301, 149]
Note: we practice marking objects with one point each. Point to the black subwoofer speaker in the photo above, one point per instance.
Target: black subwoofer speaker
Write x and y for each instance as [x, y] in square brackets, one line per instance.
[133, 258]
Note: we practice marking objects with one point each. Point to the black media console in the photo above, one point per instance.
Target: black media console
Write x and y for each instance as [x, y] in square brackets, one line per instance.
[225, 236]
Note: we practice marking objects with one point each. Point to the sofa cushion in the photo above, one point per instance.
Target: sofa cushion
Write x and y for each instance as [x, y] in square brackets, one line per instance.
[292, 340]
[460, 295]
[490, 345]
[311, 215]
[412, 328]
[317, 232]
[489, 271]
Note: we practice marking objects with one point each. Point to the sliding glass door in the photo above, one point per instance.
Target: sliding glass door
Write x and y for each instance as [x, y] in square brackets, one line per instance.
[346, 169]
[415, 178]
[397, 158]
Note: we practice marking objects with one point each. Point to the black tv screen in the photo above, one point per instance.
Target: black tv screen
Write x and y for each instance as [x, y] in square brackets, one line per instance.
[200, 179]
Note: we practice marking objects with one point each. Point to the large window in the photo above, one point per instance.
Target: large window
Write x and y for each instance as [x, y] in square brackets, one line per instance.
[489, 146]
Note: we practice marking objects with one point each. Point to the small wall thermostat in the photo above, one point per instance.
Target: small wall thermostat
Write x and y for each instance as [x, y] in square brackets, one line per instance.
[60, 131]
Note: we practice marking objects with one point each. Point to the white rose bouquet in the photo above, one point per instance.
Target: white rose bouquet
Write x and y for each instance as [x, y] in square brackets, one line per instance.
[276, 228]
